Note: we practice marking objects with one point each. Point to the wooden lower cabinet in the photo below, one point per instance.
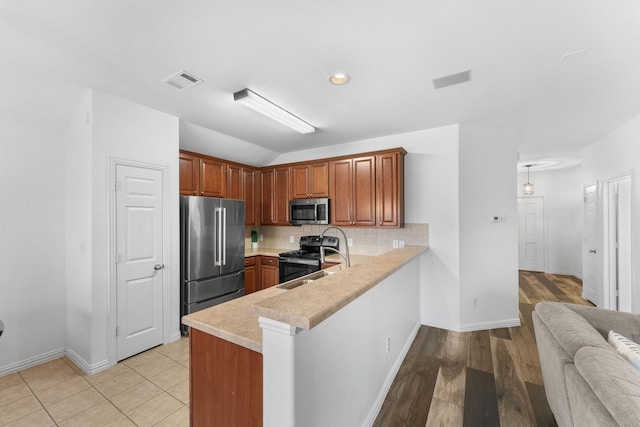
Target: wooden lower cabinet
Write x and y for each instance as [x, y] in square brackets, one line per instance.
[251, 282]
[225, 387]
[269, 272]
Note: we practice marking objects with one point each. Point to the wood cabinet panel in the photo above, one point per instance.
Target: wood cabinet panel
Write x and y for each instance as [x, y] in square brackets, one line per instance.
[269, 272]
[352, 191]
[310, 180]
[319, 179]
[364, 191]
[274, 196]
[213, 178]
[225, 387]
[281, 196]
[267, 189]
[251, 283]
[390, 189]
[340, 188]
[250, 192]
[189, 167]
[235, 182]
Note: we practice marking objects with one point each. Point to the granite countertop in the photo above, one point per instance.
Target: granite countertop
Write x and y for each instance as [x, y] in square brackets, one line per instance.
[248, 252]
[305, 306]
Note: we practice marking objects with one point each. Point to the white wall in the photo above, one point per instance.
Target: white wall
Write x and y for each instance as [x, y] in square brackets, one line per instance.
[431, 197]
[206, 141]
[32, 292]
[454, 181]
[124, 130]
[614, 155]
[562, 193]
[488, 251]
[337, 373]
[79, 242]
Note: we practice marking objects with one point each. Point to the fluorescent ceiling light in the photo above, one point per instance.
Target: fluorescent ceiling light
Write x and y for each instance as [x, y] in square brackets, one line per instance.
[271, 110]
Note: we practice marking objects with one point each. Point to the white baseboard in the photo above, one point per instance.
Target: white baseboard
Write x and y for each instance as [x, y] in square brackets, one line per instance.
[32, 361]
[86, 367]
[373, 414]
[175, 336]
[52, 355]
[479, 326]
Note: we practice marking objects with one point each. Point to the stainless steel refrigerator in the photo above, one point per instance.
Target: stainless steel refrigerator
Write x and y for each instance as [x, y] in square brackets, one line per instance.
[211, 252]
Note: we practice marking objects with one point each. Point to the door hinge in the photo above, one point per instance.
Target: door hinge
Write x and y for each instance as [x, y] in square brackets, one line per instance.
[117, 330]
[117, 185]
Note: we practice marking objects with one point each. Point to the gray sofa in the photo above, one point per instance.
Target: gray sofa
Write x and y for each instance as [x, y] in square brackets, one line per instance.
[586, 382]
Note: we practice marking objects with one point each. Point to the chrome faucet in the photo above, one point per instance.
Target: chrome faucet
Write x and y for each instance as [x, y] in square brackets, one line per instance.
[346, 257]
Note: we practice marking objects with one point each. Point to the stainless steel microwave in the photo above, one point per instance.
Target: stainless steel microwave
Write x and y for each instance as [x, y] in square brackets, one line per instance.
[309, 211]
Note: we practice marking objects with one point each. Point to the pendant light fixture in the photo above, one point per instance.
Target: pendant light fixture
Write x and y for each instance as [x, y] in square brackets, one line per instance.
[527, 189]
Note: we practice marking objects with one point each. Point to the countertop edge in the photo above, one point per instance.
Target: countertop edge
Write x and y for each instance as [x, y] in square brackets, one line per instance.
[279, 309]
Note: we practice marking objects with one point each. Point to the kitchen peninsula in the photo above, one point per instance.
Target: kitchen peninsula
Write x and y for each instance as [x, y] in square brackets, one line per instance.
[313, 355]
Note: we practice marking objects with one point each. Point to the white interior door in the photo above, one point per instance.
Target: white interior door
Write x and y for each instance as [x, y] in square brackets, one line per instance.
[619, 231]
[590, 280]
[531, 233]
[139, 268]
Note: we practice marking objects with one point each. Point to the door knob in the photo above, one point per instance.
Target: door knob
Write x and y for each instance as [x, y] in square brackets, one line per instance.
[592, 251]
[158, 266]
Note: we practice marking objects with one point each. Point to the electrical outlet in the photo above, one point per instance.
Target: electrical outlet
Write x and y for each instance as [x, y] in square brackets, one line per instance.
[388, 345]
[395, 244]
[350, 242]
[291, 240]
[402, 243]
[261, 237]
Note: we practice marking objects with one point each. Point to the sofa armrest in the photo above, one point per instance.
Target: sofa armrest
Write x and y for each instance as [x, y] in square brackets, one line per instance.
[613, 380]
[603, 321]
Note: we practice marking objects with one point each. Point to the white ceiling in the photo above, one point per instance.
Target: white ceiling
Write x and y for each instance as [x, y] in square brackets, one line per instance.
[52, 51]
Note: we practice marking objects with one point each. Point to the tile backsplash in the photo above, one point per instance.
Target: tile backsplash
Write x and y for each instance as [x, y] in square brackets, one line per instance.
[366, 241]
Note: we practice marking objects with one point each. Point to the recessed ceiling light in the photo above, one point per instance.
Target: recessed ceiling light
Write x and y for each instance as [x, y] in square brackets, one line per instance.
[339, 79]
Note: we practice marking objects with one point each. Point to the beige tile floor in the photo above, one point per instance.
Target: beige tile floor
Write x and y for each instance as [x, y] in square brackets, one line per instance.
[149, 389]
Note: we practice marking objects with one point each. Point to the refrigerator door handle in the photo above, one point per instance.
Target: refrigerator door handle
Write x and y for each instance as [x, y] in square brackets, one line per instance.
[223, 236]
[218, 224]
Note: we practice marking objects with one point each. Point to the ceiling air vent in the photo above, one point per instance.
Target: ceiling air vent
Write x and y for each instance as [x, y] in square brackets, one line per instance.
[182, 80]
[452, 79]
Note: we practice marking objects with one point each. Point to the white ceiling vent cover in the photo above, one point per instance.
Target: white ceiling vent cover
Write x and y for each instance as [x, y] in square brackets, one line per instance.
[452, 79]
[182, 80]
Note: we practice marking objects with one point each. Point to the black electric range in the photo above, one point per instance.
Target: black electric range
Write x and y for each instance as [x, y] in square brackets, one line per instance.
[305, 260]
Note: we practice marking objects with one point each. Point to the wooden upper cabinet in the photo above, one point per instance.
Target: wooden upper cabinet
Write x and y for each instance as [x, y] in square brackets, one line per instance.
[310, 180]
[390, 189]
[266, 196]
[213, 178]
[235, 182]
[250, 191]
[281, 196]
[352, 185]
[189, 175]
[274, 196]
[368, 190]
[340, 189]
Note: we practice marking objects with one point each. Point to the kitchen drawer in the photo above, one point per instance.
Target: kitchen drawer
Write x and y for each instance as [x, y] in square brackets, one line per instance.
[250, 261]
[269, 260]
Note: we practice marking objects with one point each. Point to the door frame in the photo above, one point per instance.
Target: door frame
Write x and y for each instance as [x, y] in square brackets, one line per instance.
[610, 257]
[112, 306]
[544, 228]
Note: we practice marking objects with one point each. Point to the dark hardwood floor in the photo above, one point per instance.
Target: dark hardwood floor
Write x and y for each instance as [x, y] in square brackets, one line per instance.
[481, 378]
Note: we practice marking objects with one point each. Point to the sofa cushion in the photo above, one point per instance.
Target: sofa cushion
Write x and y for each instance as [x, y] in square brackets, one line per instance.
[626, 348]
[585, 407]
[613, 380]
[569, 329]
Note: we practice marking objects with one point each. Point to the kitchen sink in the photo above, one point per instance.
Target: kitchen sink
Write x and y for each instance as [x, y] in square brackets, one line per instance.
[311, 277]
